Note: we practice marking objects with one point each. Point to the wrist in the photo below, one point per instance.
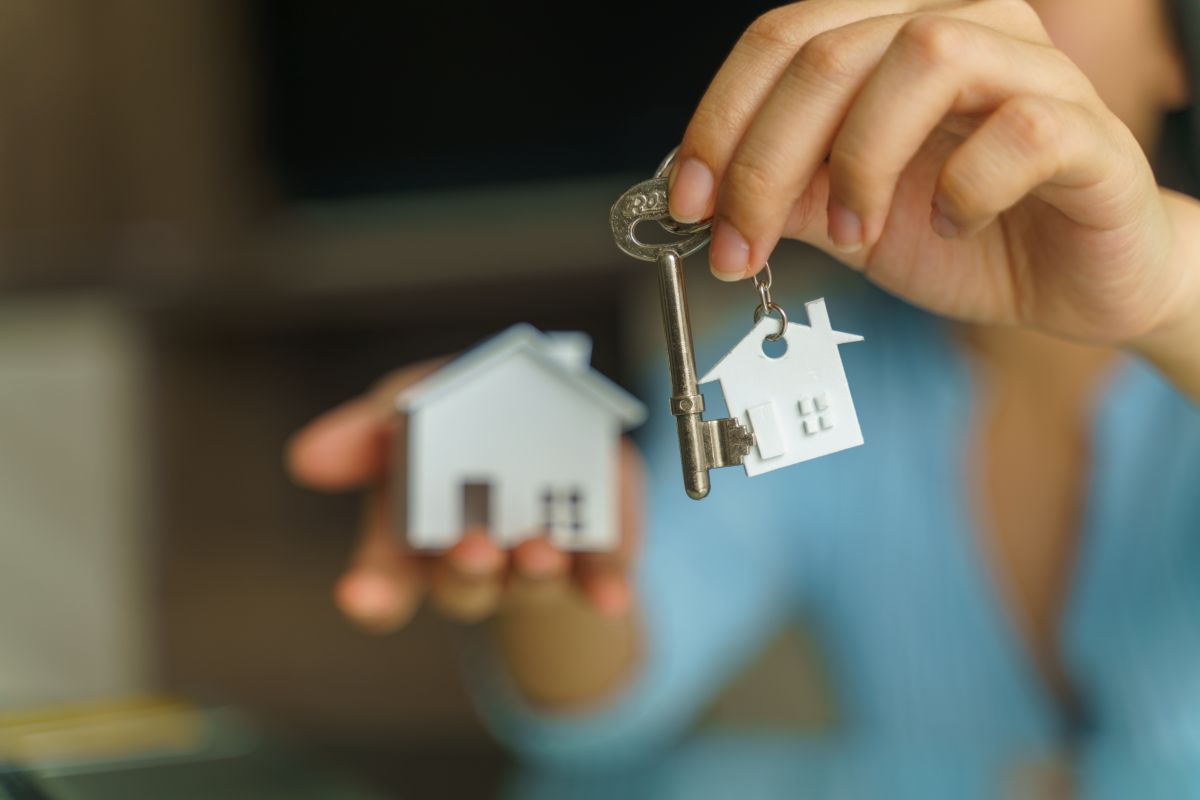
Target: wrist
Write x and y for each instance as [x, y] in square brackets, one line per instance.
[1173, 344]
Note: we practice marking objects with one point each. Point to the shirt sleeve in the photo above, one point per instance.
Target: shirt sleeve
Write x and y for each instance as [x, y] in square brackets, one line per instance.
[713, 585]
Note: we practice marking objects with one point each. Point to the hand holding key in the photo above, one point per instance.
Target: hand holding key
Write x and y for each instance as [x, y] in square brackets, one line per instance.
[703, 444]
[348, 448]
[954, 155]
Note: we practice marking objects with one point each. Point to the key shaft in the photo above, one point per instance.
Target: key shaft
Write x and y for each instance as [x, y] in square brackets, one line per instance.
[686, 402]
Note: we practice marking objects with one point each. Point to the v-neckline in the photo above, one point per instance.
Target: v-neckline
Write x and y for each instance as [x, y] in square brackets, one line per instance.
[994, 595]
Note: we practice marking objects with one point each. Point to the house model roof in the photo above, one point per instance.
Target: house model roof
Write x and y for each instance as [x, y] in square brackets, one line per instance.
[564, 356]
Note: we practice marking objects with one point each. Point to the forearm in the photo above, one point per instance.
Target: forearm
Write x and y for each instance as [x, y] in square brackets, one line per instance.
[560, 651]
[1174, 346]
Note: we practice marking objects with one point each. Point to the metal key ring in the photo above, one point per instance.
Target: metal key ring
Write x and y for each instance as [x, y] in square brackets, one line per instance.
[761, 311]
[764, 285]
[762, 282]
[664, 166]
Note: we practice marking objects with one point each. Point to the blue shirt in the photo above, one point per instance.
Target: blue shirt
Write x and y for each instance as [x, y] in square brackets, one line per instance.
[875, 549]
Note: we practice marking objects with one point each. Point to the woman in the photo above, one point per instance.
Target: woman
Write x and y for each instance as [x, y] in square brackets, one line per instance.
[1012, 556]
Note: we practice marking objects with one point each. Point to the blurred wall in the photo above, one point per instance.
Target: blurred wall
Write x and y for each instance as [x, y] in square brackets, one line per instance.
[124, 144]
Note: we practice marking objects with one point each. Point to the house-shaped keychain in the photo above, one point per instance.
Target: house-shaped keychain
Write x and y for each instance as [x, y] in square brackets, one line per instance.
[798, 404]
[518, 437]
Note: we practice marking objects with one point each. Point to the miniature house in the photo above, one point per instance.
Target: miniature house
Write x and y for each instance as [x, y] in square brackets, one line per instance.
[797, 404]
[519, 437]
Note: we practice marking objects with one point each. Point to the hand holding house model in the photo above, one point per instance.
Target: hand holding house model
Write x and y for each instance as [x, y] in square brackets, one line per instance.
[519, 437]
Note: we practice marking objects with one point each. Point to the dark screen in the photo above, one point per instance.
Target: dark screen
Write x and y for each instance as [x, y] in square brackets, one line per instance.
[386, 97]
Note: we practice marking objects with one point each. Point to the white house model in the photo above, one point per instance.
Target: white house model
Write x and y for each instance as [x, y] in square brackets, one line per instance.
[518, 437]
[797, 405]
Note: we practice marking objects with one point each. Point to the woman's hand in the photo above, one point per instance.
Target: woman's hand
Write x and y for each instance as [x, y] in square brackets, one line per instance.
[348, 448]
[952, 154]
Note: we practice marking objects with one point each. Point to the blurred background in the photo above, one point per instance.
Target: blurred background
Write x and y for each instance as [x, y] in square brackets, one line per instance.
[218, 219]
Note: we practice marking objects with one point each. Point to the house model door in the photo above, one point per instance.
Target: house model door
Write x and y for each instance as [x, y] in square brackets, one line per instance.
[477, 505]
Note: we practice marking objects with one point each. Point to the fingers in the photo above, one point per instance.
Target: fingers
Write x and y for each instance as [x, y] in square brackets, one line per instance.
[382, 588]
[378, 601]
[539, 560]
[744, 82]
[769, 120]
[608, 587]
[605, 578]
[808, 219]
[935, 66]
[348, 446]
[467, 582]
[1030, 144]
[787, 141]
[341, 449]
[538, 576]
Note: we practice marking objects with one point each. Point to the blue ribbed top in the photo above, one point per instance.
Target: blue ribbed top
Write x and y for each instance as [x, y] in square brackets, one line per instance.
[875, 549]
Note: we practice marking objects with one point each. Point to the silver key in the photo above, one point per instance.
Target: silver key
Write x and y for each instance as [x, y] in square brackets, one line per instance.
[703, 444]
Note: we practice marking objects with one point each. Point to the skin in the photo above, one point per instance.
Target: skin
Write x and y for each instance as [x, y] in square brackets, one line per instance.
[984, 160]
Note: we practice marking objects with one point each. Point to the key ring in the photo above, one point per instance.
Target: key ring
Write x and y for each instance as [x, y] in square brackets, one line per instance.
[766, 305]
[764, 285]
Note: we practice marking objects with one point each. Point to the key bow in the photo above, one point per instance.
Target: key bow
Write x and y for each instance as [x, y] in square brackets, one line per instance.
[647, 201]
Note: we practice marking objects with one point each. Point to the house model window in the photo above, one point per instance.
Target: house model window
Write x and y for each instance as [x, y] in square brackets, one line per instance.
[816, 413]
[562, 512]
[518, 436]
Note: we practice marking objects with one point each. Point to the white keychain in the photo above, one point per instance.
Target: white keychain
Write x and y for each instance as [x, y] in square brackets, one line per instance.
[796, 402]
[784, 408]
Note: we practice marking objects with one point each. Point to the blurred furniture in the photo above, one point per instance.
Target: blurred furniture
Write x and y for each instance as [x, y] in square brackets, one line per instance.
[76, 603]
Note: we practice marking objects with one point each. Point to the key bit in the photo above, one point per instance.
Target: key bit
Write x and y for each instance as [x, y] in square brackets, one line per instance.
[727, 442]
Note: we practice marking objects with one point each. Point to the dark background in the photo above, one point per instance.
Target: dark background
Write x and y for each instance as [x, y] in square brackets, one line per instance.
[401, 96]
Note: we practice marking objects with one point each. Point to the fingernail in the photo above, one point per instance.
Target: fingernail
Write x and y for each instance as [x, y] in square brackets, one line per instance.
[845, 228]
[689, 190]
[541, 561]
[942, 225]
[729, 254]
[612, 596]
[475, 556]
[367, 597]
